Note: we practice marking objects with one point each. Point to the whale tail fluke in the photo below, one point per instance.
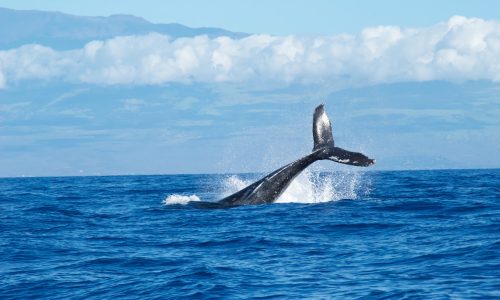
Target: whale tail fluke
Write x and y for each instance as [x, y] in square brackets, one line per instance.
[323, 139]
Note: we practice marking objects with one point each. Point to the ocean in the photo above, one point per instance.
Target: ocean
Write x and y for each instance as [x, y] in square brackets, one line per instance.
[341, 235]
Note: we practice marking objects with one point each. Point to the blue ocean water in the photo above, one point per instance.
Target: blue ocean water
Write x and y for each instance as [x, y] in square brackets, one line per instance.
[373, 235]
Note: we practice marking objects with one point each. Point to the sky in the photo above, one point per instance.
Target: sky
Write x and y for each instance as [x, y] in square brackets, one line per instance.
[413, 86]
[302, 17]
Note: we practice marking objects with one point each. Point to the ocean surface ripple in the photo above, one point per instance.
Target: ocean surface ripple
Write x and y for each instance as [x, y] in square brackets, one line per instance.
[373, 235]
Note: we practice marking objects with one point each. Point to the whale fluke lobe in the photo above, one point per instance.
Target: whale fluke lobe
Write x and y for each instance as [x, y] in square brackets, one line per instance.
[269, 188]
[322, 129]
[350, 158]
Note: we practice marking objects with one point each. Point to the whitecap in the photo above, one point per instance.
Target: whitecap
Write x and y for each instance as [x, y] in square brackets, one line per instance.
[180, 199]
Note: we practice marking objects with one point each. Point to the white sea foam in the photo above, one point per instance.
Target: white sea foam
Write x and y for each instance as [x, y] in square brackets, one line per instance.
[180, 199]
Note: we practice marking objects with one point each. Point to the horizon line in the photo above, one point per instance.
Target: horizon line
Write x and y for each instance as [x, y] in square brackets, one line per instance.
[244, 173]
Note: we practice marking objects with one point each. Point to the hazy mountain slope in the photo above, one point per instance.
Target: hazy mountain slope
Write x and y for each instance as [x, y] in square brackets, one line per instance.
[64, 31]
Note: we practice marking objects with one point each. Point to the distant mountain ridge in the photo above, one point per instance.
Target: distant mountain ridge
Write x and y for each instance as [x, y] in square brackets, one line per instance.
[64, 31]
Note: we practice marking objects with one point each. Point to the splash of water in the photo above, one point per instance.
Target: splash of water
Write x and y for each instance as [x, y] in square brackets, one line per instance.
[232, 184]
[308, 187]
[180, 199]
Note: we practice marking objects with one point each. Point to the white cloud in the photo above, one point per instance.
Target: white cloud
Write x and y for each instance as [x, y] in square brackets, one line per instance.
[66, 96]
[185, 103]
[13, 107]
[133, 104]
[459, 49]
[81, 113]
[2, 80]
[194, 123]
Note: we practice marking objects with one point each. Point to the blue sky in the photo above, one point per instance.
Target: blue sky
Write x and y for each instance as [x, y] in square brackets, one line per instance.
[413, 86]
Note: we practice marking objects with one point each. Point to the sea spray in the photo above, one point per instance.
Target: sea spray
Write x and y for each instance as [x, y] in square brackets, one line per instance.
[308, 187]
[315, 187]
[232, 184]
[180, 199]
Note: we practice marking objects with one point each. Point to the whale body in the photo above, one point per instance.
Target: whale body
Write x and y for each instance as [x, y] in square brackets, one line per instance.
[269, 188]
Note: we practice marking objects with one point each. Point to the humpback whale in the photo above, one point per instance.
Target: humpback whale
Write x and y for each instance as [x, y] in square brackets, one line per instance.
[269, 188]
